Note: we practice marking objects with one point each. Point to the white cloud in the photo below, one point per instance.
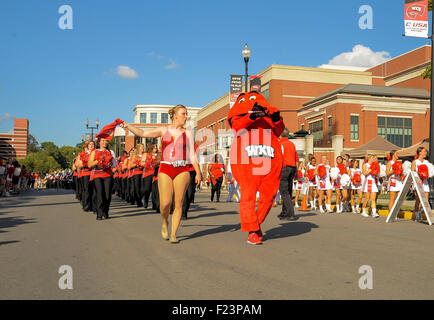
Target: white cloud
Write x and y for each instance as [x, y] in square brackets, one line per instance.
[5, 117]
[154, 55]
[361, 56]
[172, 65]
[126, 72]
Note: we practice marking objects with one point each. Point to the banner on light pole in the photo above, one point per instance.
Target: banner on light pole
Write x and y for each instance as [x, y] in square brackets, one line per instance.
[236, 87]
[255, 83]
[416, 18]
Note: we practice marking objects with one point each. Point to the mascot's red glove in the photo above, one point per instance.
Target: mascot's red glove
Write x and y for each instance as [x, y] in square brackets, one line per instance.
[256, 155]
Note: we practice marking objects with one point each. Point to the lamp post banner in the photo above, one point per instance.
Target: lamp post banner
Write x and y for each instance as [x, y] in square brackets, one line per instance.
[255, 83]
[236, 87]
[416, 18]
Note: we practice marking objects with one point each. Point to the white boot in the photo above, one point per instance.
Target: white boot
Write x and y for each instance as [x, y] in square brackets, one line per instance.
[357, 209]
[364, 214]
[354, 209]
[296, 204]
[374, 213]
[321, 209]
[339, 208]
[329, 209]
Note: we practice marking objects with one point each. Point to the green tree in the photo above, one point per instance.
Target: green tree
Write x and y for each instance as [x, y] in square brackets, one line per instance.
[427, 73]
[40, 162]
[52, 150]
[68, 153]
[33, 144]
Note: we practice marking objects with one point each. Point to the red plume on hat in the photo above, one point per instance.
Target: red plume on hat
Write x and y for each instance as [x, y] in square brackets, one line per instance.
[108, 131]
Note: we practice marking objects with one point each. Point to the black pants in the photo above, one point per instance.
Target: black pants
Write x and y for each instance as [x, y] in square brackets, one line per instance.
[123, 187]
[285, 188]
[94, 199]
[189, 194]
[147, 189]
[86, 199]
[79, 189]
[215, 188]
[103, 190]
[74, 186]
[155, 197]
[136, 181]
[115, 185]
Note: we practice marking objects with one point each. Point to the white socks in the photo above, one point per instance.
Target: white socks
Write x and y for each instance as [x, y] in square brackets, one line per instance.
[328, 206]
[374, 213]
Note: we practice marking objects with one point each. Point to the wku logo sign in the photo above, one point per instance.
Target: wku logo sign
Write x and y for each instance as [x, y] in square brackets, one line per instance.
[414, 11]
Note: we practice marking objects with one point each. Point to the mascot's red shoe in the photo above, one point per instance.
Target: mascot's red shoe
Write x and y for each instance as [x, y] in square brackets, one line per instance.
[256, 156]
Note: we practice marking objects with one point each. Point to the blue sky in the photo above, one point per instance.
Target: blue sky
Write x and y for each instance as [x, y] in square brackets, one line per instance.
[182, 51]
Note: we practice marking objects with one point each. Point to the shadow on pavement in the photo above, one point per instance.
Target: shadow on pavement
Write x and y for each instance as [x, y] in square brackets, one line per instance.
[289, 229]
[7, 242]
[212, 214]
[218, 229]
[41, 204]
[10, 222]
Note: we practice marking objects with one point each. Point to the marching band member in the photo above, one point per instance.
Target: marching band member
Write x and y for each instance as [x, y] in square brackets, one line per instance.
[103, 162]
[148, 162]
[177, 154]
[324, 184]
[394, 171]
[420, 165]
[135, 165]
[85, 176]
[356, 185]
[370, 169]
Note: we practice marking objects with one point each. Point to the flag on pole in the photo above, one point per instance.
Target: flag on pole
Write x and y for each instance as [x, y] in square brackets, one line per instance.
[108, 131]
[416, 18]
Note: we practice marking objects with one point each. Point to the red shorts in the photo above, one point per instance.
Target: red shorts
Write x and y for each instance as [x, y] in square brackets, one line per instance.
[172, 171]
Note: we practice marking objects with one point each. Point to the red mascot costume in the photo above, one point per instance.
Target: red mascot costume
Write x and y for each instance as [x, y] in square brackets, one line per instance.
[256, 158]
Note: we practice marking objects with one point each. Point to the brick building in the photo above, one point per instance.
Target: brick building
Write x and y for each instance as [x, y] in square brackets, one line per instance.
[15, 144]
[343, 107]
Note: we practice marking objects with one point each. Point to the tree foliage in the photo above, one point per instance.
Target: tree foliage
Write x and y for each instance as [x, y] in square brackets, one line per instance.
[33, 144]
[40, 162]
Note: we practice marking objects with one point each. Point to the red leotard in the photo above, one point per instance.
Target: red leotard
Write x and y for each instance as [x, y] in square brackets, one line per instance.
[174, 155]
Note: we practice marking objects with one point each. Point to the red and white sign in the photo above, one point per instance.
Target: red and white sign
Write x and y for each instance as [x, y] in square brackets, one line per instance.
[416, 18]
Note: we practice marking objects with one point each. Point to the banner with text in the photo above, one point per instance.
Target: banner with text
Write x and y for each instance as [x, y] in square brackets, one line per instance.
[416, 18]
[255, 83]
[236, 86]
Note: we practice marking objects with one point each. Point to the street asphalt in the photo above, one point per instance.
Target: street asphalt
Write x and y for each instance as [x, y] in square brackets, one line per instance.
[316, 257]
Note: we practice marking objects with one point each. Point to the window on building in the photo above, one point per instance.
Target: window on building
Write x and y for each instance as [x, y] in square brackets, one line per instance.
[153, 117]
[143, 118]
[329, 130]
[302, 127]
[316, 129]
[119, 145]
[266, 93]
[354, 134]
[164, 118]
[395, 130]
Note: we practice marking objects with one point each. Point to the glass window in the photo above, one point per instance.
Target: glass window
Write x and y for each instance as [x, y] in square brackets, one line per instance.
[266, 93]
[316, 129]
[354, 128]
[153, 117]
[330, 130]
[395, 130]
[143, 118]
[164, 118]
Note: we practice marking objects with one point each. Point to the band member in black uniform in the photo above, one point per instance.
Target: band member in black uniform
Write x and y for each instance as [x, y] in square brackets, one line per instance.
[86, 200]
[148, 163]
[136, 167]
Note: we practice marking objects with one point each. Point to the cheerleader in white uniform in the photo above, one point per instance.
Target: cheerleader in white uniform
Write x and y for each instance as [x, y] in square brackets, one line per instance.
[337, 186]
[300, 181]
[324, 185]
[313, 192]
[356, 187]
[394, 184]
[421, 154]
[370, 188]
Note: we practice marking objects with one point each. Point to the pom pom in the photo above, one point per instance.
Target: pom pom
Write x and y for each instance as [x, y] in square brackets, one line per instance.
[422, 171]
[300, 175]
[397, 168]
[357, 179]
[322, 171]
[311, 174]
[383, 170]
[430, 170]
[375, 168]
[345, 180]
[334, 173]
[406, 167]
[342, 168]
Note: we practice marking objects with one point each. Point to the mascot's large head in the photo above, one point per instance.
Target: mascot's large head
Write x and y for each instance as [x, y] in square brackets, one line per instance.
[250, 103]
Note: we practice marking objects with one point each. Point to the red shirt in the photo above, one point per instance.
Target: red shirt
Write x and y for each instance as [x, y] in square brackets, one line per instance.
[216, 170]
[290, 156]
[103, 169]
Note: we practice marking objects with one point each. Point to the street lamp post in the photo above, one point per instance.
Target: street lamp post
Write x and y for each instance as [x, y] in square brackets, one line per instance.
[246, 55]
[87, 126]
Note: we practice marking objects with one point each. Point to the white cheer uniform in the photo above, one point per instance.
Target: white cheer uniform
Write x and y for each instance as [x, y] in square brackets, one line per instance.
[324, 183]
[370, 183]
[424, 182]
[395, 183]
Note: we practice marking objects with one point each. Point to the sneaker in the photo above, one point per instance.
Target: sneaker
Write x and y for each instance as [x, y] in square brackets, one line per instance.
[364, 214]
[321, 209]
[7, 194]
[375, 215]
[254, 238]
[260, 234]
[296, 205]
